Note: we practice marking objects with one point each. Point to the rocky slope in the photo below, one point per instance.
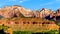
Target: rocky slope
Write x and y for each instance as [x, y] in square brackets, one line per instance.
[29, 24]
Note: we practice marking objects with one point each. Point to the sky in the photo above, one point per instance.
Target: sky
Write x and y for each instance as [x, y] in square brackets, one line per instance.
[32, 4]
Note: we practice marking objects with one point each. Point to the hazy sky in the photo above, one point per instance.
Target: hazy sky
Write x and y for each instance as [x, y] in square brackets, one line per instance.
[32, 4]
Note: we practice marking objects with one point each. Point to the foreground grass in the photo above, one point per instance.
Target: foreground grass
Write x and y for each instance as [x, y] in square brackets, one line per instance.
[27, 32]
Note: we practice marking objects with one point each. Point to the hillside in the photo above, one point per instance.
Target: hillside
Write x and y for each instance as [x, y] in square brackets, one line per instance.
[21, 19]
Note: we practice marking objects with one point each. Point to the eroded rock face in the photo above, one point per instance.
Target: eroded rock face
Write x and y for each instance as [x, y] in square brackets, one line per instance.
[9, 12]
[15, 11]
[36, 13]
[48, 14]
[56, 15]
[58, 12]
[45, 12]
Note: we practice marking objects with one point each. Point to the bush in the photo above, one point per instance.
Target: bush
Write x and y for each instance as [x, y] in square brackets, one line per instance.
[21, 32]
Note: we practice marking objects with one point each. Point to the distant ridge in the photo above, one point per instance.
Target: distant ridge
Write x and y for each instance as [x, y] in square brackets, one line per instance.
[16, 10]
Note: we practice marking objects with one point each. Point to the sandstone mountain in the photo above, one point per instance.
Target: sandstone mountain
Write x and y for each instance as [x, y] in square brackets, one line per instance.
[18, 11]
[38, 20]
[45, 12]
[11, 11]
